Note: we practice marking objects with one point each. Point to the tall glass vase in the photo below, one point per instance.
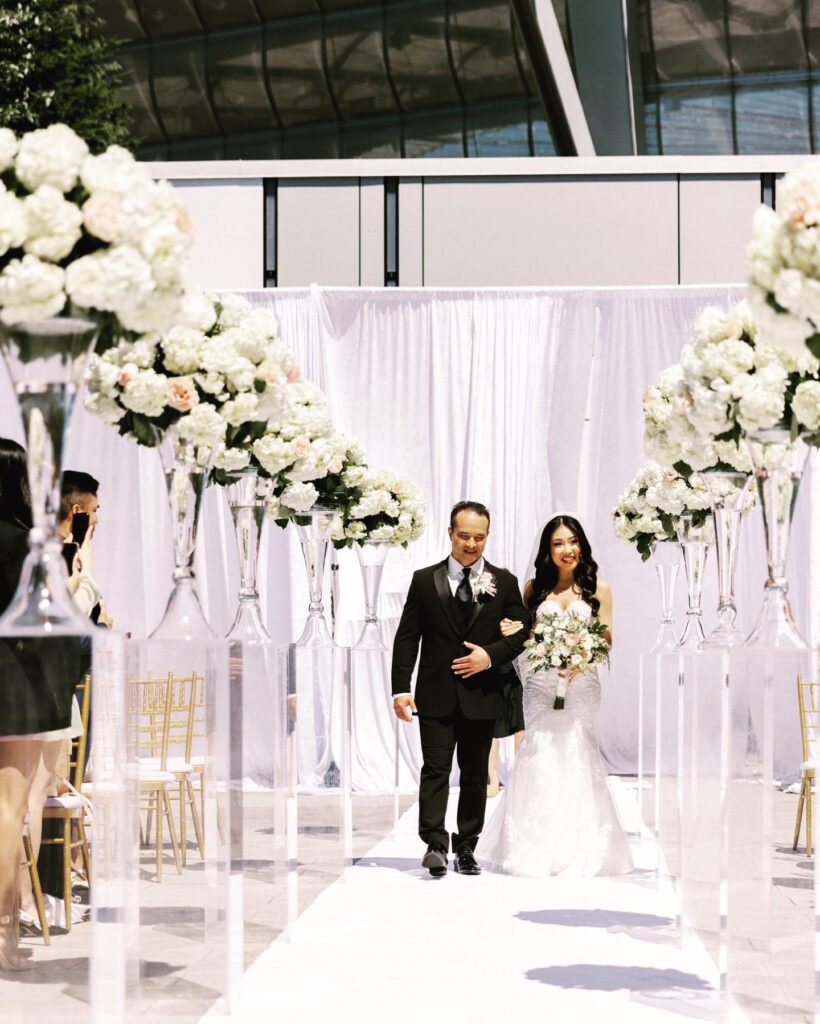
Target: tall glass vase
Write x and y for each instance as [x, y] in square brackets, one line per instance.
[314, 537]
[45, 361]
[248, 512]
[186, 478]
[778, 463]
[372, 556]
[694, 541]
[728, 494]
[666, 559]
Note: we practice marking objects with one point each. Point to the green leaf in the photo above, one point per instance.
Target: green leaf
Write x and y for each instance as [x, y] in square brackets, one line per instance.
[814, 344]
[683, 468]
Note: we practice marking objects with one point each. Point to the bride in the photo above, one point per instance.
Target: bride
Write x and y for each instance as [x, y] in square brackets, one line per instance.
[556, 814]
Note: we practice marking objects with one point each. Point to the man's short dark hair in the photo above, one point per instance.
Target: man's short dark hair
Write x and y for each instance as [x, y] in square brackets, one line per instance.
[73, 484]
[469, 506]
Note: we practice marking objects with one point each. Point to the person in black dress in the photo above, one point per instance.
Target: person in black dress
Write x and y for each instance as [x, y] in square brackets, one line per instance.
[454, 611]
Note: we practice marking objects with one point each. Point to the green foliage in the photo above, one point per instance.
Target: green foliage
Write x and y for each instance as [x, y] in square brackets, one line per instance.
[56, 66]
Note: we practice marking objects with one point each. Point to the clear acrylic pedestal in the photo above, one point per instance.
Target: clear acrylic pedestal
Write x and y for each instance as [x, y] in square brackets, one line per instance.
[318, 795]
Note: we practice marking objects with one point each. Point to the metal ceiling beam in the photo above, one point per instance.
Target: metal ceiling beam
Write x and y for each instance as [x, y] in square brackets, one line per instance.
[553, 76]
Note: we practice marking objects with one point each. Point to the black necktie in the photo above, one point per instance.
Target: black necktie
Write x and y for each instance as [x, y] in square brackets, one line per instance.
[464, 597]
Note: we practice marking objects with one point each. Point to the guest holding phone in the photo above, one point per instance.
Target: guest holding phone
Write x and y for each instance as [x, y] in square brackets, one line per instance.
[79, 515]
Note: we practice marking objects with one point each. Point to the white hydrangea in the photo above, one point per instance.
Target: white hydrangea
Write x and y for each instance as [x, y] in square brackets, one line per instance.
[50, 156]
[273, 453]
[197, 309]
[31, 290]
[114, 171]
[12, 221]
[806, 404]
[231, 460]
[53, 224]
[8, 148]
[155, 311]
[233, 309]
[146, 393]
[111, 279]
[301, 497]
[108, 410]
[244, 408]
[182, 349]
[202, 426]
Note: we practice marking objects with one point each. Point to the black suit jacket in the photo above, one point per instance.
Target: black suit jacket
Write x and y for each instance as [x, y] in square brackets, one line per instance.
[429, 618]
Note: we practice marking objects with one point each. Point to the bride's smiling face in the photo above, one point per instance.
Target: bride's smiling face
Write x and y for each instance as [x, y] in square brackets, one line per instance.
[565, 550]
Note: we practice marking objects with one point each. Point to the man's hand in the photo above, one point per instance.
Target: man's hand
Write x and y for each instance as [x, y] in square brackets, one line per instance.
[476, 661]
[404, 707]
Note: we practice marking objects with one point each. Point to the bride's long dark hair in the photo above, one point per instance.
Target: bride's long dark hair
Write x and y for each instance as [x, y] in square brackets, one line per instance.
[546, 571]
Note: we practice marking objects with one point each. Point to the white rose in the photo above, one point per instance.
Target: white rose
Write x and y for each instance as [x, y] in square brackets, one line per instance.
[356, 531]
[8, 147]
[102, 215]
[53, 225]
[12, 220]
[146, 393]
[50, 156]
[806, 404]
[31, 290]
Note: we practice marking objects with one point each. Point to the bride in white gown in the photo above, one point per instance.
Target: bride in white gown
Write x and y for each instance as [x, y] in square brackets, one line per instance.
[556, 814]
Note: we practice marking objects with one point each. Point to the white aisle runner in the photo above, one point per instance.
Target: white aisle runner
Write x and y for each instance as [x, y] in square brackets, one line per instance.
[390, 943]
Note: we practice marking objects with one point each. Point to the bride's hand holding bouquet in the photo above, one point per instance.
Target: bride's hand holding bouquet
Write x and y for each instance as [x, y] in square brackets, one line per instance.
[567, 643]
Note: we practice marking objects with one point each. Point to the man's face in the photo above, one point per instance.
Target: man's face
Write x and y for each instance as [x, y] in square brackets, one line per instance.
[468, 537]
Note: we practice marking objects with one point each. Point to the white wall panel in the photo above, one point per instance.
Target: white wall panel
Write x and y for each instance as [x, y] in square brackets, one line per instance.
[411, 233]
[228, 224]
[556, 231]
[318, 232]
[371, 232]
[715, 225]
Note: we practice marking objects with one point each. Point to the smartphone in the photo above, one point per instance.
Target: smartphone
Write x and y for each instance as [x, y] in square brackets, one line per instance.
[70, 550]
[79, 527]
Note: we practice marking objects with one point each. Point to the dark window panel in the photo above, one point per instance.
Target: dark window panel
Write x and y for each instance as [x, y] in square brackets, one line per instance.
[163, 18]
[482, 48]
[543, 143]
[220, 14]
[273, 9]
[689, 38]
[318, 142]
[766, 35]
[523, 60]
[381, 139]
[120, 20]
[181, 91]
[266, 146]
[773, 119]
[237, 80]
[356, 67]
[653, 138]
[498, 130]
[419, 63]
[198, 149]
[696, 120]
[296, 75]
[434, 135]
[329, 6]
[135, 92]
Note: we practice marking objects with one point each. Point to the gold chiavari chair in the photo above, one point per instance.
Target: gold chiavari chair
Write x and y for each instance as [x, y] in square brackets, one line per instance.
[184, 692]
[808, 702]
[70, 808]
[149, 719]
[30, 865]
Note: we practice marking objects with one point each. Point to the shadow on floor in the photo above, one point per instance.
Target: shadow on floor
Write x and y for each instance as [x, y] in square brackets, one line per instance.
[612, 977]
[396, 863]
[595, 918]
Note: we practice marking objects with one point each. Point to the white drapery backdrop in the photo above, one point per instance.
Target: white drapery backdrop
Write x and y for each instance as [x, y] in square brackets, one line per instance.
[526, 399]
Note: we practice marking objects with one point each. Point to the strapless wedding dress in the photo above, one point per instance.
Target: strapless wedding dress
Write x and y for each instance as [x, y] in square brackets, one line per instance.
[556, 814]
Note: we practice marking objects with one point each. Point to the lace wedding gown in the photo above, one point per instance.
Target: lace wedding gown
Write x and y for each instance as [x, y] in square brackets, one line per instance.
[556, 814]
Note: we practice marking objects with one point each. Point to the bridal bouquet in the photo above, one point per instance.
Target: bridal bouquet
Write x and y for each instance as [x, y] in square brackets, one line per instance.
[565, 641]
[734, 384]
[649, 508]
[219, 378]
[95, 232]
[783, 258]
[382, 507]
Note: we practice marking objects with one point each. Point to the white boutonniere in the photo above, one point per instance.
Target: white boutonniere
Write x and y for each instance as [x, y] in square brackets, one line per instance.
[484, 586]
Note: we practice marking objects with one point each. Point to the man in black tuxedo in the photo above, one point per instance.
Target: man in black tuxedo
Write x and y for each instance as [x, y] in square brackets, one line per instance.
[458, 603]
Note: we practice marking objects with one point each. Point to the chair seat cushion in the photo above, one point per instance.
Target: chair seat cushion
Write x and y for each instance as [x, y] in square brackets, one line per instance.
[67, 802]
[808, 767]
[156, 778]
[172, 764]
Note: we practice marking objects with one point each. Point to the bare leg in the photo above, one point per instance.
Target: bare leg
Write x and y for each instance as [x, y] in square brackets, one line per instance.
[18, 761]
[492, 769]
[42, 782]
[519, 736]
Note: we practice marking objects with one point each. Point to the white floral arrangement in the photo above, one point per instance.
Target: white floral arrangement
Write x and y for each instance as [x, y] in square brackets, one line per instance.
[89, 231]
[783, 259]
[382, 507]
[220, 377]
[565, 641]
[649, 508]
[734, 384]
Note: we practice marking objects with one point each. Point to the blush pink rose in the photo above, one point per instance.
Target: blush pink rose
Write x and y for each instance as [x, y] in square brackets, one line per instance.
[294, 375]
[127, 373]
[182, 394]
[301, 447]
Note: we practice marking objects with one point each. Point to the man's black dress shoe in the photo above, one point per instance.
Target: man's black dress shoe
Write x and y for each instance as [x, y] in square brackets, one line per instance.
[465, 862]
[435, 860]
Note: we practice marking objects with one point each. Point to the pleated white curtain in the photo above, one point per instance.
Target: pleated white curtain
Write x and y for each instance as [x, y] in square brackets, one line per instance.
[526, 399]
